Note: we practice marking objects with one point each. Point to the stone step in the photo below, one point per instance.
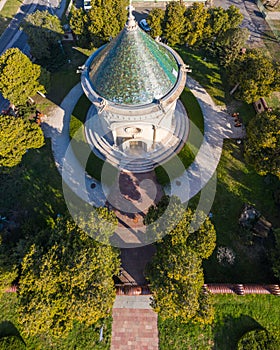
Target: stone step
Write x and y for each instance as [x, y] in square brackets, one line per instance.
[124, 161]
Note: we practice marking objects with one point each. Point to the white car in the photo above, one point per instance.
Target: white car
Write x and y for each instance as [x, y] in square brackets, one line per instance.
[144, 25]
[87, 5]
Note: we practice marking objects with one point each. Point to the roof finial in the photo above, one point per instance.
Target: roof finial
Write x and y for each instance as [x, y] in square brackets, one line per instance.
[131, 23]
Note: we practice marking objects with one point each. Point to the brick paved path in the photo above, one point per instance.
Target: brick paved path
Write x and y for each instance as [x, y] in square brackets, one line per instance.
[134, 324]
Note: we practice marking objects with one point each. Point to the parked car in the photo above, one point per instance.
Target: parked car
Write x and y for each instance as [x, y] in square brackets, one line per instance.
[144, 25]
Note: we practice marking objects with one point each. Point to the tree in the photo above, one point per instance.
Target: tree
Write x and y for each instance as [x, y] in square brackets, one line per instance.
[262, 146]
[255, 73]
[221, 20]
[155, 21]
[44, 32]
[176, 278]
[79, 22]
[230, 43]
[19, 77]
[175, 273]
[16, 137]
[196, 17]
[174, 22]
[102, 22]
[67, 280]
[235, 17]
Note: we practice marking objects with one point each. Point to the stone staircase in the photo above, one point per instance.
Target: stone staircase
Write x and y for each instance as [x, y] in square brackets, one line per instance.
[173, 143]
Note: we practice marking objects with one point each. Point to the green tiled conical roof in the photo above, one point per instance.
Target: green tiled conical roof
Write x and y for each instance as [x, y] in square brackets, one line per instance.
[133, 69]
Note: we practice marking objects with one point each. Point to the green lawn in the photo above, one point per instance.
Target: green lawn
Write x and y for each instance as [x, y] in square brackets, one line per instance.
[80, 146]
[8, 12]
[33, 189]
[234, 316]
[185, 155]
[206, 72]
[273, 101]
[237, 185]
[195, 138]
[66, 76]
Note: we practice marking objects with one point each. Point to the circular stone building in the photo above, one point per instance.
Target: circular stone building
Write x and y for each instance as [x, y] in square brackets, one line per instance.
[136, 121]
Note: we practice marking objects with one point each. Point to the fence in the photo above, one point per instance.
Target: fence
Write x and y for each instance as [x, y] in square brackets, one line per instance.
[213, 288]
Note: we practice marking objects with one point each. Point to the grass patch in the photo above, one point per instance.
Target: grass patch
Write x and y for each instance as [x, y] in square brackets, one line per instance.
[206, 72]
[272, 44]
[190, 149]
[193, 109]
[238, 184]
[33, 189]
[66, 77]
[8, 13]
[273, 100]
[234, 316]
[186, 156]
[80, 146]
[174, 334]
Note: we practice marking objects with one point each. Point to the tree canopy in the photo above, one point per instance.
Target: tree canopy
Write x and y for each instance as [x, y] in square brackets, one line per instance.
[44, 31]
[155, 21]
[230, 43]
[175, 273]
[102, 22]
[196, 27]
[174, 22]
[262, 146]
[16, 137]
[19, 77]
[66, 279]
[255, 73]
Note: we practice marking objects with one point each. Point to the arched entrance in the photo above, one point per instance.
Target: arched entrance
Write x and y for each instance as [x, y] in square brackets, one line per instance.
[135, 147]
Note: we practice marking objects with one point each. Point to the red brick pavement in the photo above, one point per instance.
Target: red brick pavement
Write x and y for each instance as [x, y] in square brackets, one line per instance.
[134, 329]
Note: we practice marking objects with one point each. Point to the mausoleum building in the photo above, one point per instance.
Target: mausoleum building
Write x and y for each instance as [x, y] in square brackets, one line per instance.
[136, 120]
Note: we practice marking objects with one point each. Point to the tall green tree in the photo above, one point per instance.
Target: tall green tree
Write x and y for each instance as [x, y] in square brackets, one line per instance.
[262, 146]
[79, 23]
[196, 17]
[102, 22]
[44, 31]
[220, 20]
[230, 43]
[155, 21]
[20, 78]
[174, 22]
[68, 280]
[235, 17]
[175, 273]
[255, 73]
[16, 137]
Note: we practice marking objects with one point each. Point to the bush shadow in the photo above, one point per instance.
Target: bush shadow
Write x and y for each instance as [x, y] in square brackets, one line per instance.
[230, 330]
